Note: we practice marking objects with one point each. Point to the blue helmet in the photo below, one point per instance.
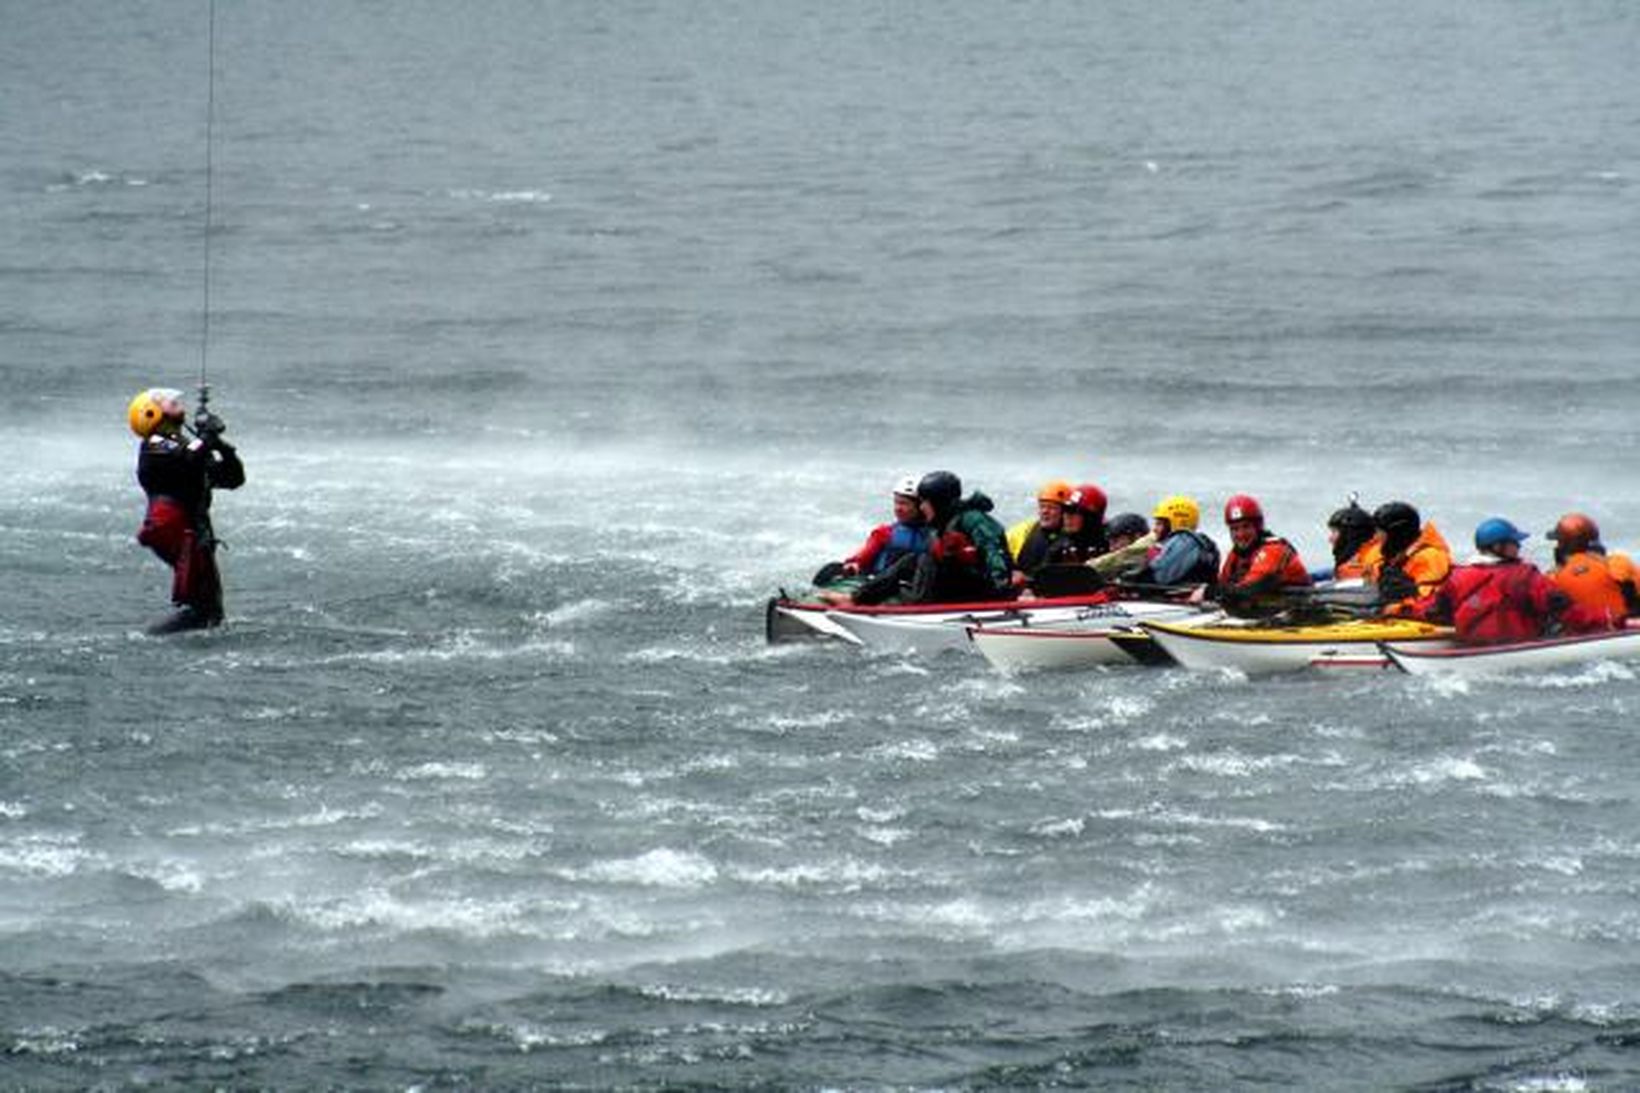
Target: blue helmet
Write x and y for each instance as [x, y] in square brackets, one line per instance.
[1489, 533]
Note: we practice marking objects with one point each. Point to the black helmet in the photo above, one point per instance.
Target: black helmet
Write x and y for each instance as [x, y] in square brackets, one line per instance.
[1354, 527]
[942, 489]
[1128, 523]
[1400, 524]
[1351, 517]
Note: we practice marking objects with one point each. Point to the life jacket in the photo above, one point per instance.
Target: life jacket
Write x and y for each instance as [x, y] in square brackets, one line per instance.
[1270, 563]
[1203, 569]
[1588, 578]
[1034, 549]
[1422, 566]
[1490, 603]
[1362, 563]
[903, 539]
[1070, 548]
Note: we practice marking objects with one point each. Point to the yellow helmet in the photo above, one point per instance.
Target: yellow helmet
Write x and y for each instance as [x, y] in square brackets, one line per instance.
[147, 411]
[1180, 511]
[1058, 491]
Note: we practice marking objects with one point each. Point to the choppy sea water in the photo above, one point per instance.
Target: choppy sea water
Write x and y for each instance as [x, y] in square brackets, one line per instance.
[556, 338]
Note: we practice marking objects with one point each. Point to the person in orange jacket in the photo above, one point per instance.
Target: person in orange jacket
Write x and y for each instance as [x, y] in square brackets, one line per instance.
[1259, 565]
[1599, 581]
[1353, 540]
[1411, 558]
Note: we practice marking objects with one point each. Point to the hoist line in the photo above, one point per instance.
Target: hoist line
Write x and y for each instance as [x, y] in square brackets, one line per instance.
[210, 178]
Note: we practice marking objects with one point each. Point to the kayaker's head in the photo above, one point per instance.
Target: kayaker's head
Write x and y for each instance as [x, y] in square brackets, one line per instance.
[156, 410]
[1574, 533]
[1499, 538]
[938, 492]
[1245, 518]
[1348, 529]
[906, 509]
[1085, 508]
[1125, 530]
[1050, 503]
[1175, 513]
[1400, 524]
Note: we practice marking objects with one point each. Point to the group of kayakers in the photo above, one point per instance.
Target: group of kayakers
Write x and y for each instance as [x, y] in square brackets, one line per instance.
[944, 547]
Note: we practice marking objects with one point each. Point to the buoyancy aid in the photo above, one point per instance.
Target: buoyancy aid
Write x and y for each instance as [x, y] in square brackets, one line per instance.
[1416, 571]
[1184, 557]
[1588, 578]
[1270, 563]
[1493, 601]
[1362, 563]
[1031, 550]
[1090, 544]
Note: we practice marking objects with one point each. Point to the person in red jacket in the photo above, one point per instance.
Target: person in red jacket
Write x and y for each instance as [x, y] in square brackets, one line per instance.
[1498, 597]
[1259, 565]
[888, 543]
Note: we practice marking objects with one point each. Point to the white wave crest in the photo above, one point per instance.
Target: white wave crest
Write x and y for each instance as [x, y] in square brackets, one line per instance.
[659, 868]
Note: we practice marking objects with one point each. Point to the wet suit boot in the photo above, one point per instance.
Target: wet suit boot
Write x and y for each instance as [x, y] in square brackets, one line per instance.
[184, 618]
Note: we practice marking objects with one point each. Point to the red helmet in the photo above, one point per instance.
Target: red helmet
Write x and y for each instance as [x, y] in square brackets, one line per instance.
[1090, 499]
[1241, 507]
[1574, 532]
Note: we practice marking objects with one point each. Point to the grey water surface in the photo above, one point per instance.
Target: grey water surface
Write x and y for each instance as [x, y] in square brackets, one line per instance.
[558, 336]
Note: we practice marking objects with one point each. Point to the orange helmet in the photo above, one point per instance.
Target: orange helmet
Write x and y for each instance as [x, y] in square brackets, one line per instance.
[1574, 532]
[1058, 491]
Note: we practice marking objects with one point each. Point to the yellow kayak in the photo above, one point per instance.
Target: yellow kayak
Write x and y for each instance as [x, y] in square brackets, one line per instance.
[1256, 648]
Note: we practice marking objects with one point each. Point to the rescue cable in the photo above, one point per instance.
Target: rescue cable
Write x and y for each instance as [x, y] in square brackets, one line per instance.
[205, 260]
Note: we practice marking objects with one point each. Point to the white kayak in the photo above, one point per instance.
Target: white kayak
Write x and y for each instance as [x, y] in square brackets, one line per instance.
[787, 619]
[1528, 656]
[1253, 647]
[791, 620]
[947, 632]
[1078, 643]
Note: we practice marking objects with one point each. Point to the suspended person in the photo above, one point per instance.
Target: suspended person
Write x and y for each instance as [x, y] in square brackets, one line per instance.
[1030, 541]
[1411, 557]
[1497, 597]
[1182, 556]
[1599, 581]
[1260, 566]
[967, 561]
[178, 471]
[887, 543]
[1353, 538]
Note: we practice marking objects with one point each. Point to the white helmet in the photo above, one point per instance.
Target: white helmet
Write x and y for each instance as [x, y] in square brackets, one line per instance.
[906, 487]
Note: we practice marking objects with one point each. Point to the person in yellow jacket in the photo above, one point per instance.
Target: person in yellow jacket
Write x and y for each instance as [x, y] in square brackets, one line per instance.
[1410, 558]
[1585, 571]
[1030, 541]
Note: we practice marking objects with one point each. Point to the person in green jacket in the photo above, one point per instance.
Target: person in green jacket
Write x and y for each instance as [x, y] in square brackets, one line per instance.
[970, 559]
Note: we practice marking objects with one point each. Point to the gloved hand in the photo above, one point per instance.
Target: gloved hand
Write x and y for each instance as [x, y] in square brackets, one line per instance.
[1394, 585]
[957, 548]
[208, 426]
